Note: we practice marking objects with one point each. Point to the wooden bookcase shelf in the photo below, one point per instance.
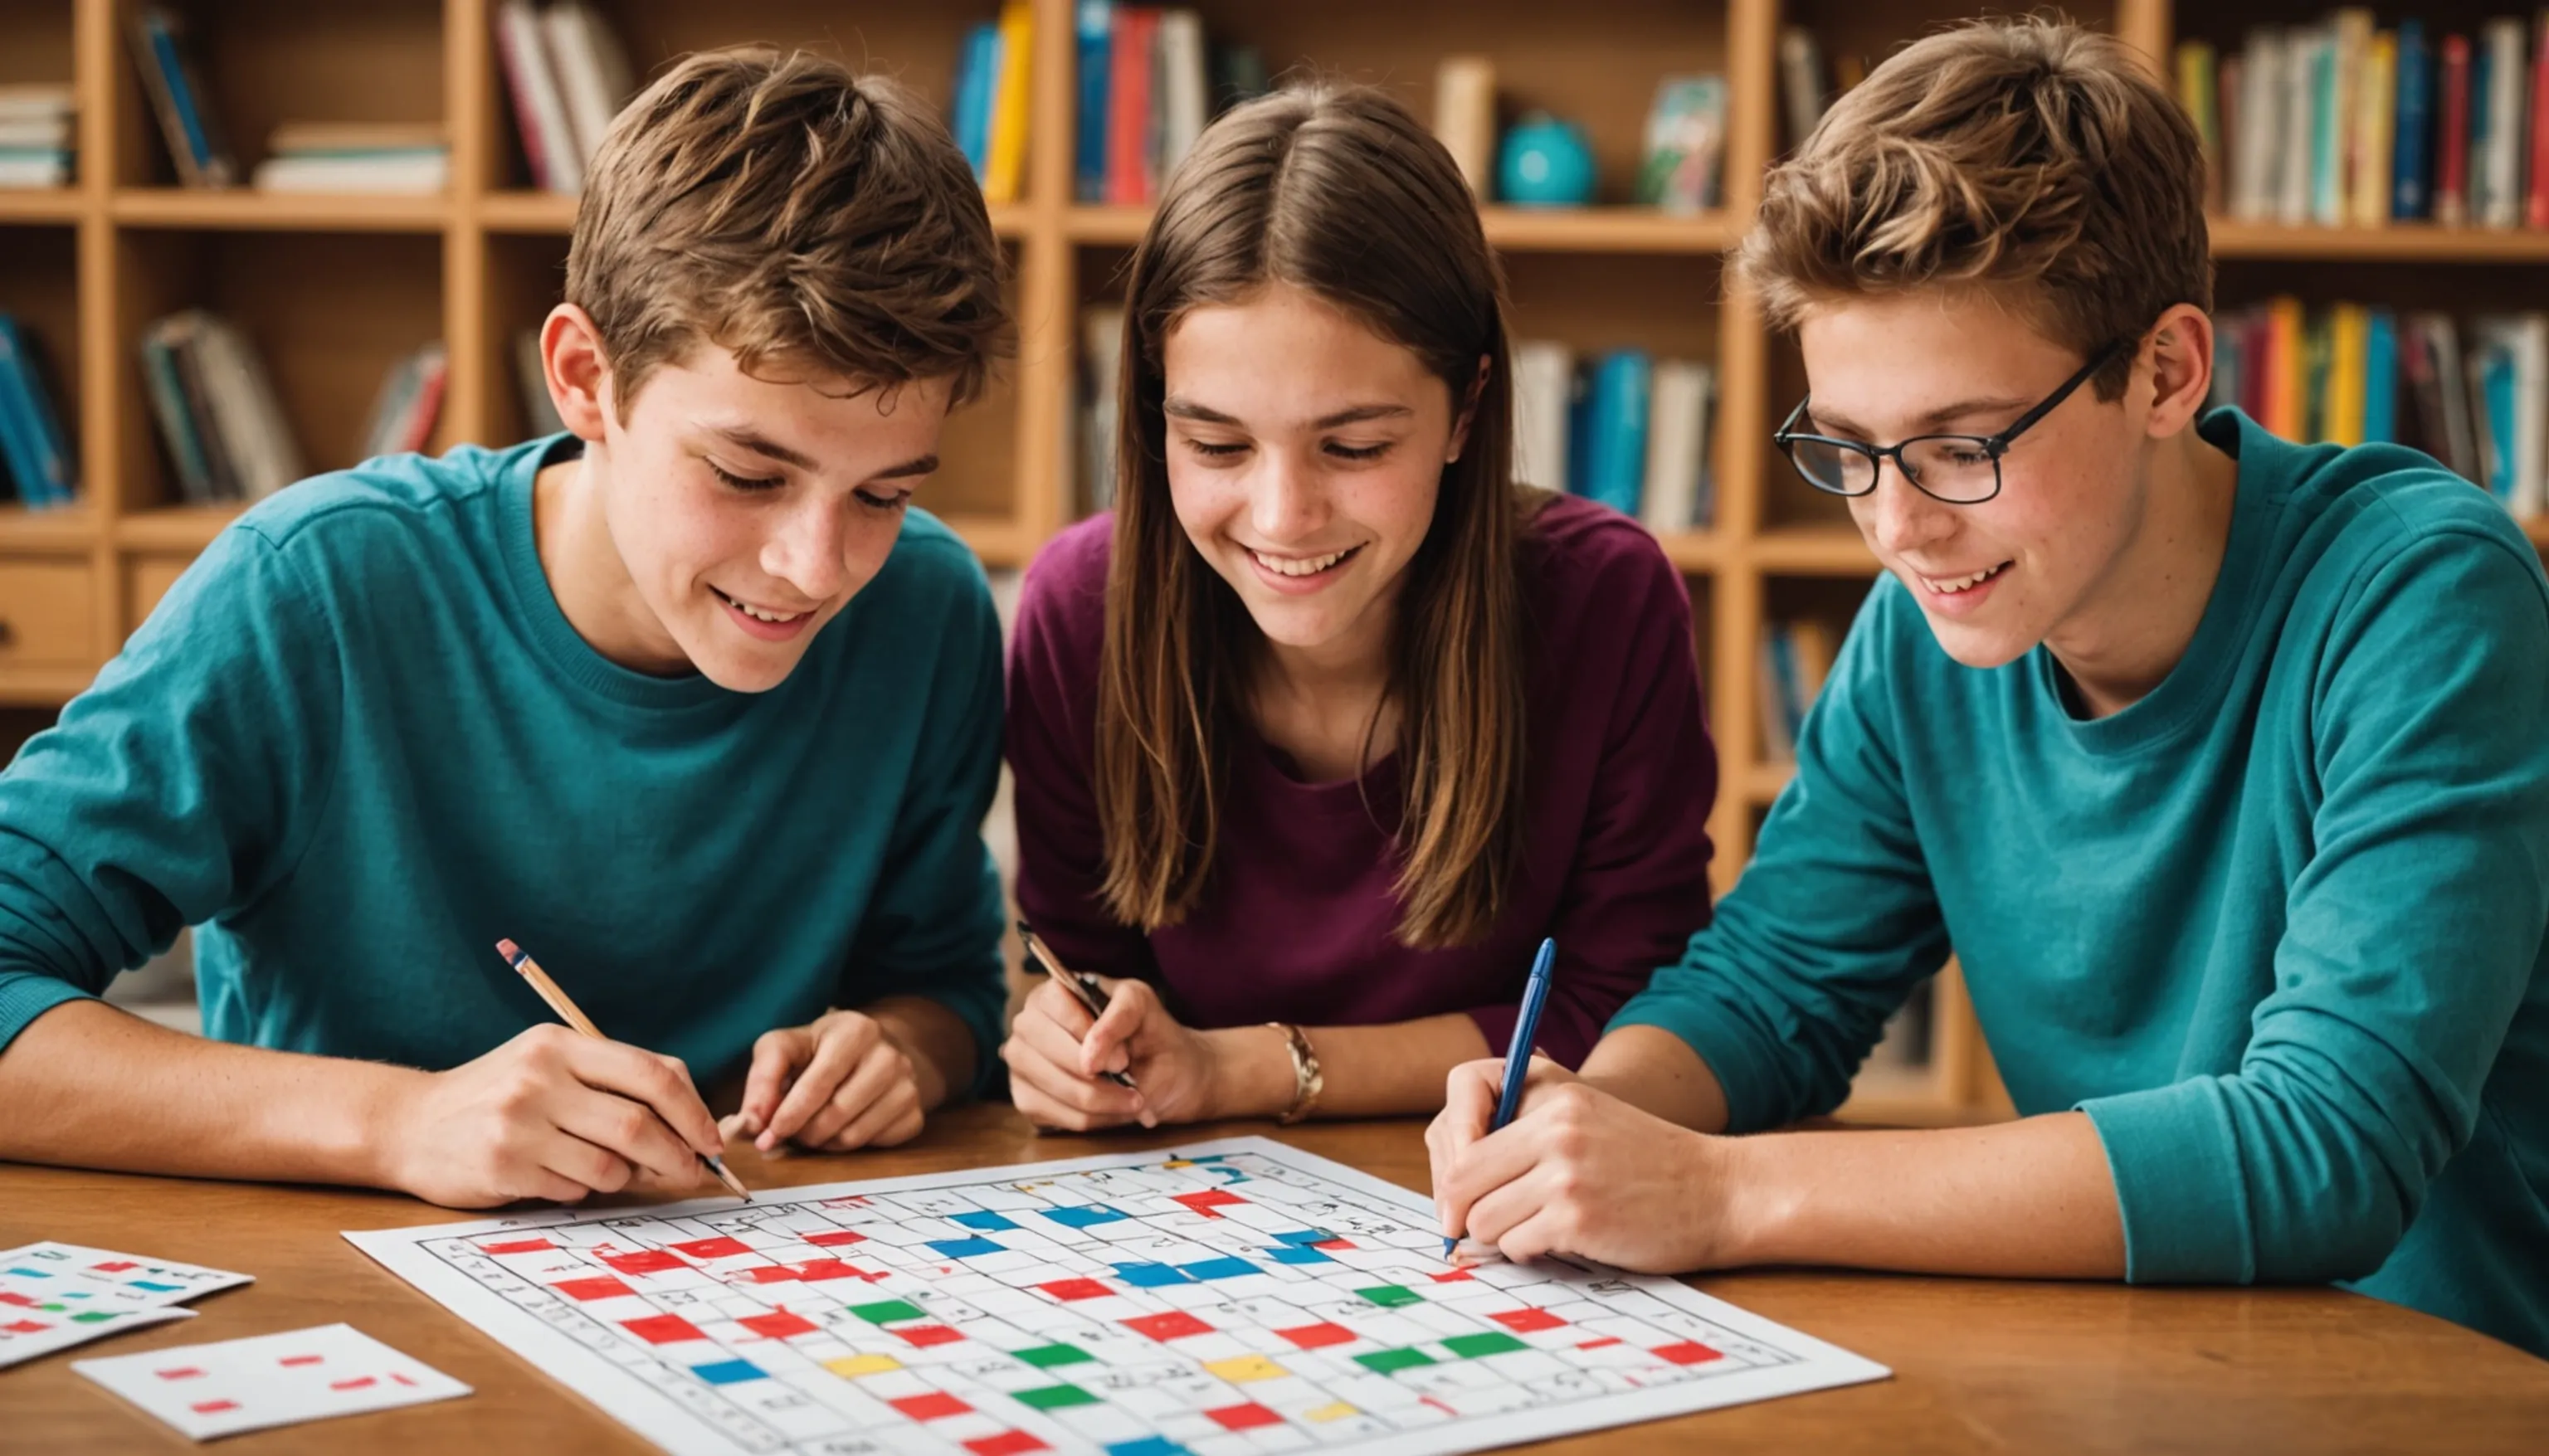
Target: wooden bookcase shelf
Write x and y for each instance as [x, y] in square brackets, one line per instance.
[333, 288]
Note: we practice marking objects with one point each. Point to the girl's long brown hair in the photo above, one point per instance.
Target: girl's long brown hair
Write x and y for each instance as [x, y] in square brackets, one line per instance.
[1341, 193]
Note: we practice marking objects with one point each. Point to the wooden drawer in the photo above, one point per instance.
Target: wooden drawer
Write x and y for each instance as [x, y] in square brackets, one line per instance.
[146, 579]
[48, 612]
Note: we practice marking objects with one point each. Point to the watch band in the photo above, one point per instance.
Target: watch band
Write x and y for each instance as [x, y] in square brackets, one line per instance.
[1307, 1081]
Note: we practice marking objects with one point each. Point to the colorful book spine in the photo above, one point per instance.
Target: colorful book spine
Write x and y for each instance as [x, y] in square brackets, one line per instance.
[970, 114]
[1128, 110]
[2412, 147]
[2368, 187]
[2346, 380]
[1005, 169]
[1616, 423]
[1094, 37]
[2381, 377]
[2198, 90]
[2288, 379]
[2535, 212]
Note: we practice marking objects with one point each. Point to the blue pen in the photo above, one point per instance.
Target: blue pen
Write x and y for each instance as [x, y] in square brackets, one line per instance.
[1535, 995]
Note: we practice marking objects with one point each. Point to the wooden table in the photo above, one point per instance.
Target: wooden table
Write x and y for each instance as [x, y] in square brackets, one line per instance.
[1978, 1366]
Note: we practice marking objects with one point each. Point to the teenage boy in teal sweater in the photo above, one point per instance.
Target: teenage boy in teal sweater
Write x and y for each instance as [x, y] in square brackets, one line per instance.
[691, 701]
[2221, 762]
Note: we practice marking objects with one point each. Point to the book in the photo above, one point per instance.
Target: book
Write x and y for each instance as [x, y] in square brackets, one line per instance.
[2381, 377]
[175, 417]
[2507, 88]
[1685, 144]
[970, 113]
[2412, 147]
[1129, 178]
[2256, 160]
[2369, 181]
[1092, 26]
[36, 449]
[2307, 49]
[22, 101]
[2535, 206]
[1465, 117]
[164, 52]
[539, 105]
[1178, 85]
[2198, 90]
[246, 416]
[2287, 371]
[2340, 140]
[1616, 427]
[1777, 696]
[1678, 430]
[1004, 167]
[2329, 73]
[1800, 82]
[2348, 335]
[592, 73]
[410, 401]
[1544, 387]
[2452, 134]
[383, 172]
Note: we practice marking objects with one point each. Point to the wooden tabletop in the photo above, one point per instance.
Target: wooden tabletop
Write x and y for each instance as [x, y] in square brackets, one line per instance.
[1979, 1366]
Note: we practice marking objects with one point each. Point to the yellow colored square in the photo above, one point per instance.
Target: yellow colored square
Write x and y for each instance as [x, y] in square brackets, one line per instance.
[1338, 1411]
[1178, 1162]
[853, 1366]
[1242, 1369]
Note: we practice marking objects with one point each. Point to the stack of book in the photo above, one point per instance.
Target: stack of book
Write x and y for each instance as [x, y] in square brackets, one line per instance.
[568, 76]
[410, 401]
[37, 466]
[355, 156]
[1796, 658]
[1624, 428]
[2473, 395]
[217, 409]
[35, 136]
[1148, 86]
[163, 51]
[990, 112]
[2340, 124]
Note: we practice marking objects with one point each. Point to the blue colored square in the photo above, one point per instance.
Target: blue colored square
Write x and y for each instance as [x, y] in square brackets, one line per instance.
[988, 1223]
[964, 1248]
[728, 1372]
[155, 1287]
[1221, 1269]
[1148, 1446]
[1306, 1237]
[1090, 1216]
[31, 1273]
[1150, 1276]
[1298, 1255]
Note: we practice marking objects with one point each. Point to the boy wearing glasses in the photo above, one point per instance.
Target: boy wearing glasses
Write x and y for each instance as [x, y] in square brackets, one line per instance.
[2218, 761]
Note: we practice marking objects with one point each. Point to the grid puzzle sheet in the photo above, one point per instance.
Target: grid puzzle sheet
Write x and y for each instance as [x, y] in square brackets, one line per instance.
[1238, 1297]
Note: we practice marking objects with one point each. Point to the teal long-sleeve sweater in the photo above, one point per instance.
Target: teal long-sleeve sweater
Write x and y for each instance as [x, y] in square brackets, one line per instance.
[359, 742]
[2277, 927]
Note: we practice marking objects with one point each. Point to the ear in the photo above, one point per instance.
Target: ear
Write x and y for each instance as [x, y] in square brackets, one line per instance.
[577, 372]
[1469, 410]
[2181, 369]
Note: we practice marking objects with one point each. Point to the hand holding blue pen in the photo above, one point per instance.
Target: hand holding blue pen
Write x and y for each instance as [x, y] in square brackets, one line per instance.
[1535, 995]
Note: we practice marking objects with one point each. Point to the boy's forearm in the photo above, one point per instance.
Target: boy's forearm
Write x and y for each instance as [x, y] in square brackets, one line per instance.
[1658, 1072]
[89, 1086]
[936, 1038]
[2030, 1199]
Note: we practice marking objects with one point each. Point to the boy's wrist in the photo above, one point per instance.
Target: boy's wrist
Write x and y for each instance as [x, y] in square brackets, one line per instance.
[1752, 1181]
[357, 1133]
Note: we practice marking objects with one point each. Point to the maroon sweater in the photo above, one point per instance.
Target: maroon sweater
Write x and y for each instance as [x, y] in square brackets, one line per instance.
[1295, 921]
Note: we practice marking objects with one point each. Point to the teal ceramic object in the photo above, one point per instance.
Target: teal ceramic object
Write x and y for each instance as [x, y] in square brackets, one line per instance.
[1545, 163]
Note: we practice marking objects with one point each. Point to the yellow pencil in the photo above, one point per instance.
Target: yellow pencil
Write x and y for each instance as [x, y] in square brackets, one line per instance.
[573, 1015]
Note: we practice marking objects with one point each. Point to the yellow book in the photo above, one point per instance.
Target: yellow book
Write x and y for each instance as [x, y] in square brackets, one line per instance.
[2348, 349]
[2287, 370]
[2198, 90]
[2374, 125]
[1007, 162]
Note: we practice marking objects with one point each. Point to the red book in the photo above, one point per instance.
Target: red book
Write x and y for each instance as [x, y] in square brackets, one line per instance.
[1128, 106]
[2535, 207]
[2451, 191]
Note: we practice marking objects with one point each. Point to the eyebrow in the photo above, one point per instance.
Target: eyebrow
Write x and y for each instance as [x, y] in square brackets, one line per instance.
[1185, 409]
[762, 445]
[1927, 423]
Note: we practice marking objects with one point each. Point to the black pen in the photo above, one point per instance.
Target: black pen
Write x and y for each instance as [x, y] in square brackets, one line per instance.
[1080, 984]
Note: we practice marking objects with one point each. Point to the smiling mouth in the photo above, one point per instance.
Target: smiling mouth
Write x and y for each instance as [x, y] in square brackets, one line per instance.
[1303, 566]
[1951, 586]
[757, 614]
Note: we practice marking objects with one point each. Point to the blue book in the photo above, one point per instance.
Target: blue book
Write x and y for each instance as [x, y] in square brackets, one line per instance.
[2411, 149]
[2481, 74]
[977, 76]
[1096, 33]
[2381, 379]
[38, 455]
[1615, 457]
[181, 96]
[2496, 386]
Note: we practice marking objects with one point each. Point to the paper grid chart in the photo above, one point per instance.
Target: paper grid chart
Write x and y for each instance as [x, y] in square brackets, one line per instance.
[1239, 1297]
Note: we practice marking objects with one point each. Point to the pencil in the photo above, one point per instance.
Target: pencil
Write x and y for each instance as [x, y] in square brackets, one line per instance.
[573, 1015]
[1535, 995]
[1082, 985]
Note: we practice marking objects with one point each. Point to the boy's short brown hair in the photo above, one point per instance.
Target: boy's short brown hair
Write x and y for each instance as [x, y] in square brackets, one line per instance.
[801, 215]
[2036, 162]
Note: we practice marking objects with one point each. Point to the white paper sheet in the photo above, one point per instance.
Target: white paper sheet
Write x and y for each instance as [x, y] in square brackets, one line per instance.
[266, 1380]
[54, 1296]
[1145, 1303]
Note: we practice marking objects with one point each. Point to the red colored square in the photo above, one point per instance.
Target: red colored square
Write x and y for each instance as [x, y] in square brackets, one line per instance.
[770, 1273]
[1527, 1321]
[662, 1330]
[935, 1405]
[1175, 1325]
[835, 1238]
[925, 1335]
[650, 1261]
[1454, 1276]
[114, 1266]
[213, 1408]
[518, 1246]
[26, 1327]
[182, 1372]
[1688, 1352]
[1319, 1337]
[600, 1287]
[1006, 1443]
[1075, 1289]
[357, 1383]
[815, 1270]
[289, 1361]
[777, 1325]
[1205, 1201]
[1605, 1342]
[720, 1247]
[1332, 1246]
[401, 1379]
[19, 1300]
[1245, 1417]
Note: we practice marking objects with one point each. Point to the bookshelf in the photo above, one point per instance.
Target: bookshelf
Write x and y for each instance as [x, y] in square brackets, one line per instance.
[333, 288]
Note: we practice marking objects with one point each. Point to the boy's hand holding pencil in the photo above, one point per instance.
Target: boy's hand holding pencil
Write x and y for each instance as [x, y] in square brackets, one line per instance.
[842, 1082]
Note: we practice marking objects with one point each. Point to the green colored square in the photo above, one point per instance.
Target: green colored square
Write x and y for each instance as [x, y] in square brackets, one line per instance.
[1382, 1362]
[885, 1311]
[1390, 1295]
[1485, 1342]
[1056, 1396]
[1044, 1357]
[92, 1317]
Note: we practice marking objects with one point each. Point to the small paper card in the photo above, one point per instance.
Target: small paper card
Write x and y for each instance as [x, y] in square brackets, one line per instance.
[267, 1380]
[26, 1333]
[132, 1280]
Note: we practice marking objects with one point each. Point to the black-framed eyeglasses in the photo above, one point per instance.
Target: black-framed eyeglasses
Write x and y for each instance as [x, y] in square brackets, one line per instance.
[1961, 470]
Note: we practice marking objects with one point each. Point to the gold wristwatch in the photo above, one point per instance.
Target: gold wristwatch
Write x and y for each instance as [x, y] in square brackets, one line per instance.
[1307, 1079]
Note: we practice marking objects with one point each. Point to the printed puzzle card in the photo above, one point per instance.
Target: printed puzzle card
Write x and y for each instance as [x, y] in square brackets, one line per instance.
[54, 1296]
[237, 1384]
[1237, 1295]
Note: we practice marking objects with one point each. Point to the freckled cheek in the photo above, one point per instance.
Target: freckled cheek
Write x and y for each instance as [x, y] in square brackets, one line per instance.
[1207, 501]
